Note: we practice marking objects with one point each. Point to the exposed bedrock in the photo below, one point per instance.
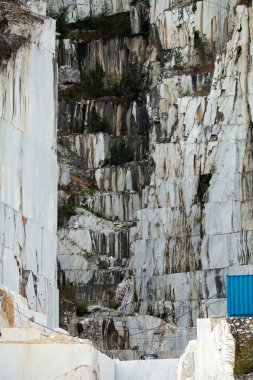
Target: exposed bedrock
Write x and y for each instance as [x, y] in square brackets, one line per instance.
[180, 188]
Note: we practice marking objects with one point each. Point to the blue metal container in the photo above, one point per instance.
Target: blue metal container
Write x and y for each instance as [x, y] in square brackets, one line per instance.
[240, 296]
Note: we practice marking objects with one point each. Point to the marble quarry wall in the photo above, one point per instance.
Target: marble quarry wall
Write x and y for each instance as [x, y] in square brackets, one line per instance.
[173, 218]
[28, 165]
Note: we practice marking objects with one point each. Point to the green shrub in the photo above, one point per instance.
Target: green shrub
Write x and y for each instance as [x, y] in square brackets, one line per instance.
[112, 304]
[96, 123]
[95, 84]
[132, 83]
[62, 26]
[81, 308]
[102, 265]
[178, 59]
[244, 358]
[96, 27]
[203, 47]
[95, 78]
[85, 24]
[92, 189]
[134, 78]
[121, 153]
[66, 209]
[68, 293]
[103, 25]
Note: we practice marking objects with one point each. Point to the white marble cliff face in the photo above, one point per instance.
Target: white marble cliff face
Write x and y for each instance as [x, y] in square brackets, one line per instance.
[190, 235]
[28, 167]
[193, 207]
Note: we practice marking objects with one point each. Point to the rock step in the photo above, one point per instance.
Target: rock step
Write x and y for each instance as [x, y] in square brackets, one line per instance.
[131, 177]
[100, 149]
[122, 117]
[114, 206]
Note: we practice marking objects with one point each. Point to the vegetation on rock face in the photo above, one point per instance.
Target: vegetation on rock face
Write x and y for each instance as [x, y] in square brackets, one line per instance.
[178, 59]
[112, 304]
[61, 23]
[248, 3]
[103, 265]
[203, 48]
[244, 358]
[121, 153]
[132, 83]
[95, 27]
[81, 308]
[68, 293]
[66, 209]
[109, 26]
[134, 79]
[95, 78]
[96, 123]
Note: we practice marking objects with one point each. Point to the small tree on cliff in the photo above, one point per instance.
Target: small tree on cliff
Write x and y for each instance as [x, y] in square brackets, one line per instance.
[95, 78]
[134, 79]
[96, 123]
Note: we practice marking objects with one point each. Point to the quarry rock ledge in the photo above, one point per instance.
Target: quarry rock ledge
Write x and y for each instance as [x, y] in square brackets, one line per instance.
[73, 358]
[210, 356]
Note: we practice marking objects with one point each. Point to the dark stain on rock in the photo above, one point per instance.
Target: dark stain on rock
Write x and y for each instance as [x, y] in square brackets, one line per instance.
[219, 286]
[112, 336]
[204, 181]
